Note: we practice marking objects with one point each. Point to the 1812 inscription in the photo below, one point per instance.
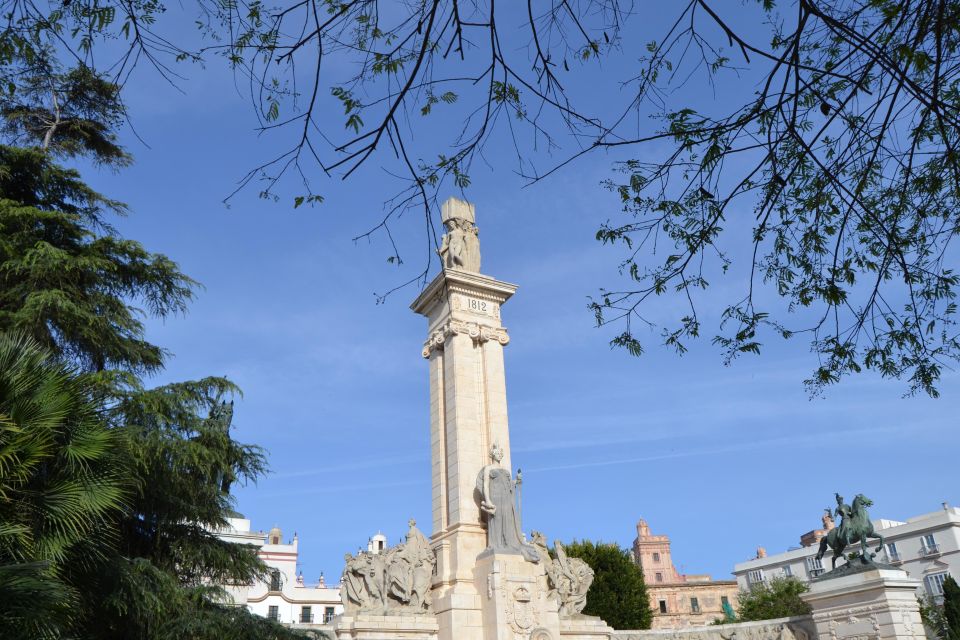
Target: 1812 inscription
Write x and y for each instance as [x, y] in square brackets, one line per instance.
[479, 306]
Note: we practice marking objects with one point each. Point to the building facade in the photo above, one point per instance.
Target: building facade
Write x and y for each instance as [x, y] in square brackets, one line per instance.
[927, 547]
[283, 596]
[678, 600]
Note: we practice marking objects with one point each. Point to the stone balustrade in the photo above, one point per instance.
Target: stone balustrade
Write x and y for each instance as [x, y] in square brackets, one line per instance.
[796, 628]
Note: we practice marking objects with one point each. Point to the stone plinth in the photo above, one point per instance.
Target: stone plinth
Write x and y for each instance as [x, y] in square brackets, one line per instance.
[367, 626]
[877, 604]
[584, 628]
[514, 600]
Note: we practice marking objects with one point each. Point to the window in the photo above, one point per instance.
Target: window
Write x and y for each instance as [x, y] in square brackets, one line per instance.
[814, 566]
[663, 606]
[380, 545]
[694, 605]
[656, 557]
[306, 615]
[755, 576]
[928, 545]
[892, 552]
[724, 601]
[787, 571]
[935, 583]
[327, 614]
[273, 612]
[275, 581]
[659, 577]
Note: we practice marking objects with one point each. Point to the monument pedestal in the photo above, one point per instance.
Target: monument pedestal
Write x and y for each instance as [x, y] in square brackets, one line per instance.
[514, 599]
[583, 627]
[368, 626]
[876, 604]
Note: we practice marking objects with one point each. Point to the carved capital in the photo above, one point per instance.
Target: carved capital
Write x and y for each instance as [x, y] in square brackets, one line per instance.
[479, 333]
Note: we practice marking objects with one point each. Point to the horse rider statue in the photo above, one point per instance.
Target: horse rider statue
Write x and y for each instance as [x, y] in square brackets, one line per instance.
[855, 526]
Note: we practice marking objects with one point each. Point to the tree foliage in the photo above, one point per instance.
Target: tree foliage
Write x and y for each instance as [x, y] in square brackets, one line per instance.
[110, 489]
[825, 179]
[62, 484]
[951, 607]
[618, 593]
[778, 598]
[932, 616]
[67, 279]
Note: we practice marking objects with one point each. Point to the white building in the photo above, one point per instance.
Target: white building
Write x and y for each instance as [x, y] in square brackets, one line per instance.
[927, 547]
[284, 596]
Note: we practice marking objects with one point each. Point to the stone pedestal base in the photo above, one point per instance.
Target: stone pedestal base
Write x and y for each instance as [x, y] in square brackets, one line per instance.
[584, 628]
[513, 594]
[878, 604]
[366, 626]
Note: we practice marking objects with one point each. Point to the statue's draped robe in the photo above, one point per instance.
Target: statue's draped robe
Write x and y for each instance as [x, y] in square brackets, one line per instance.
[353, 587]
[503, 527]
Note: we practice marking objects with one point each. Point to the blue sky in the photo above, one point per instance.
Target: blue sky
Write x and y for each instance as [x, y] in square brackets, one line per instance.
[722, 459]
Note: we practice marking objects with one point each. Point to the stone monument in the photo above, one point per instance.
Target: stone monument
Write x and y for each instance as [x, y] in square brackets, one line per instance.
[862, 599]
[478, 577]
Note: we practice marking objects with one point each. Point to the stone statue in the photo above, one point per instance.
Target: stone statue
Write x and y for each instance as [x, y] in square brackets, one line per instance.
[221, 414]
[569, 579]
[353, 589]
[855, 526]
[576, 576]
[460, 247]
[395, 582]
[410, 569]
[496, 500]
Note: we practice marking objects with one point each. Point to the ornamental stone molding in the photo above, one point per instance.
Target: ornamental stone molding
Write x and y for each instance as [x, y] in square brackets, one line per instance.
[480, 334]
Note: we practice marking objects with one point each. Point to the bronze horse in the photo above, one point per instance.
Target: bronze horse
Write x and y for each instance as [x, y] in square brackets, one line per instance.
[855, 527]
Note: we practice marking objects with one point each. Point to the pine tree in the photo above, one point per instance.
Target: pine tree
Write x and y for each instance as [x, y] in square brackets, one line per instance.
[618, 593]
[951, 607]
[69, 282]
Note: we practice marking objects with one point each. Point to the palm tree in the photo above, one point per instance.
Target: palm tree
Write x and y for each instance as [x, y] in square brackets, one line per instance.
[60, 487]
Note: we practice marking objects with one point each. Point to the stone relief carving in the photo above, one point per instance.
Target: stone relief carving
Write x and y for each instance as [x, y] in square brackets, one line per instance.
[495, 486]
[396, 581]
[478, 332]
[460, 246]
[569, 578]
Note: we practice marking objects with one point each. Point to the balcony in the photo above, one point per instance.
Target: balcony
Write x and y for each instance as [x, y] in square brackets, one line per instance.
[928, 550]
[816, 572]
[893, 557]
[273, 615]
[328, 617]
[306, 618]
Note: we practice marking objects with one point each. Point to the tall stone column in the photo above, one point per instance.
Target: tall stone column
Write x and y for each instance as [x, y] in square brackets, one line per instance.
[468, 413]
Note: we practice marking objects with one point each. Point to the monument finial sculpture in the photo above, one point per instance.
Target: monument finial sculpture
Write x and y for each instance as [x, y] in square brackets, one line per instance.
[496, 501]
[460, 247]
[855, 526]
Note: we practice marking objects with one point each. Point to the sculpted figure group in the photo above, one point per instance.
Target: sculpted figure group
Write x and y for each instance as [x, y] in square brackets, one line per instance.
[569, 578]
[395, 581]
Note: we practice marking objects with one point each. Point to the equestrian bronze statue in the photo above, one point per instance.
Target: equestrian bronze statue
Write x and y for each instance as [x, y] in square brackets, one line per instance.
[855, 526]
